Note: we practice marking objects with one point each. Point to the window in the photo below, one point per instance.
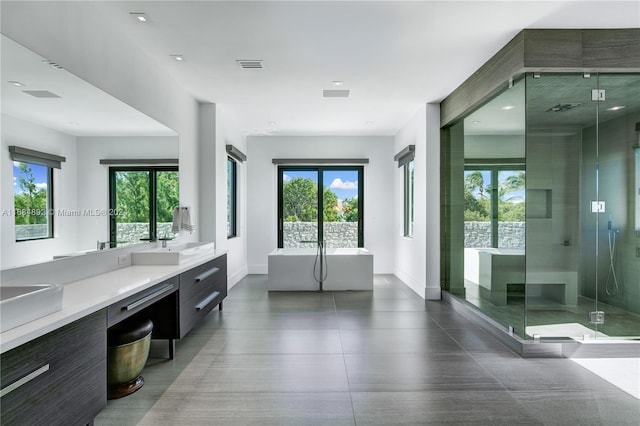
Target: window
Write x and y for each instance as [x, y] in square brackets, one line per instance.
[142, 200]
[494, 205]
[33, 200]
[408, 198]
[232, 203]
[340, 201]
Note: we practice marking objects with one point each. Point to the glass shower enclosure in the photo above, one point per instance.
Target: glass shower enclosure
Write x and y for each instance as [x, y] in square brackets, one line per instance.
[543, 228]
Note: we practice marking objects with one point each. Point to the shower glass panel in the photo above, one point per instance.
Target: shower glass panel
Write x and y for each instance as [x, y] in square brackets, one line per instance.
[491, 182]
[616, 242]
[582, 269]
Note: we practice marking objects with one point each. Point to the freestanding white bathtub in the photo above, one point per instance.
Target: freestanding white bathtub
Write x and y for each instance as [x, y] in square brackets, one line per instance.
[291, 269]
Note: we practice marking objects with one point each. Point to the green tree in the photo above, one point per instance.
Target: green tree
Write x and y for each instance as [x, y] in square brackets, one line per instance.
[350, 209]
[132, 198]
[330, 205]
[168, 194]
[31, 198]
[300, 200]
[476, 208]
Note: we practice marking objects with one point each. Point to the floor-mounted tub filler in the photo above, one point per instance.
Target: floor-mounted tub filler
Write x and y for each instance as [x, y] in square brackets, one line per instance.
[292, 269]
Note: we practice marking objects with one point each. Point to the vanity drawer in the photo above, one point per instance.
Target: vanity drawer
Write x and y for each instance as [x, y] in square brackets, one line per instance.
[125, 308]
[201, 290]
[58, 378]
[202, 280]
[195, 309]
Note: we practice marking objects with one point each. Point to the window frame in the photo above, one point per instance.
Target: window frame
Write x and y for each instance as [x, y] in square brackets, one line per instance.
[50, 205]
[320, 169]
[232, 198]
[113, 231]
[409, 198]
[495, 167]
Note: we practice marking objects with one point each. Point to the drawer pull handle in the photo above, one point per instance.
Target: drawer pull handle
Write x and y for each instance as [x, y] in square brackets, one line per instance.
[26, 379]
[203, 276]
[145, 299]
[200, 306]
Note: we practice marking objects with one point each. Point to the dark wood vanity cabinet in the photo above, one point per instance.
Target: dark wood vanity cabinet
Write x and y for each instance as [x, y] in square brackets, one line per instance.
[59, 378]
[201, 289]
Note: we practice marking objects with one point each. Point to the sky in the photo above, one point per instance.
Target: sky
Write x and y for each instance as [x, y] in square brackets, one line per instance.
[39, 174]
[344, 183]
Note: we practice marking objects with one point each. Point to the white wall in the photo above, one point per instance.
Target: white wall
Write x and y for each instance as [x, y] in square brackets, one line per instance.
[227, 132]
[378, 190]
[32, 136]
[93, 177]
[417, 259]
[411, 251]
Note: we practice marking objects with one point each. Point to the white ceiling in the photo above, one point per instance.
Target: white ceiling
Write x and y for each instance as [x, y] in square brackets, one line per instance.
[80, 110]
[393, 56]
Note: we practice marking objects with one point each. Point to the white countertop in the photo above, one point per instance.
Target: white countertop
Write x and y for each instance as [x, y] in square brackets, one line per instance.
[84, 297]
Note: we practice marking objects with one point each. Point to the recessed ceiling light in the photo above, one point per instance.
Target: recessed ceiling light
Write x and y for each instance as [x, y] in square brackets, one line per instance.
[16, 83]
[507, 107]
[139, 16]
[338, 83]
[615, 108]
[178, 57]
[476, 122]
[272, 123]
[368, 123]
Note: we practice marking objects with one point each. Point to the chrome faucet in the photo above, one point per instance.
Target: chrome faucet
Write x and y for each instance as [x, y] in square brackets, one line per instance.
[101, 245]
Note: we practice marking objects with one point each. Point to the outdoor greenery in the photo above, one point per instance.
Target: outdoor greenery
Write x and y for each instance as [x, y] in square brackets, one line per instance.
[31, 199]
[300, 203]
[132, 200]
[477, 198]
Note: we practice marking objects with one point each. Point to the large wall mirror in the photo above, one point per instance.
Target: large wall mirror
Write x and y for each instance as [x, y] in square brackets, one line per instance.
[48, 110]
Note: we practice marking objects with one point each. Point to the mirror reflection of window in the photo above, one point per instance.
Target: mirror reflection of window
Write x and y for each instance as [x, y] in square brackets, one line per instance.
[32, 198]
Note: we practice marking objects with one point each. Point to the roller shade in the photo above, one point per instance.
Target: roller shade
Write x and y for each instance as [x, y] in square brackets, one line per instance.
[25, 155]
[406, 155]
[236, 153]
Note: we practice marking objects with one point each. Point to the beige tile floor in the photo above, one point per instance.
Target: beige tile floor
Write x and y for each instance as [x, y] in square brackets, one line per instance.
[357, 358]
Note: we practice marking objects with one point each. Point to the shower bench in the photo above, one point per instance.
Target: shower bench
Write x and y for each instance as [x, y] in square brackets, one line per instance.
[494, 269]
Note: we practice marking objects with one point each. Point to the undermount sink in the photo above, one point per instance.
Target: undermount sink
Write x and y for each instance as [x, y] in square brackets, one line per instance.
[172, 254]
[21, 304]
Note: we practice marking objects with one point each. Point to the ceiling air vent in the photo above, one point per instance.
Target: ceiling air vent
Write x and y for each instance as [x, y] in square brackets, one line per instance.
[333, 93]
[562, 107]
[250, 64]
[40, 93]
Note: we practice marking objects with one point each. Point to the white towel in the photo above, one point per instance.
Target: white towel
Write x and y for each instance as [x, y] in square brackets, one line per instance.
[185, 222]
[175, 226]
[181, 219]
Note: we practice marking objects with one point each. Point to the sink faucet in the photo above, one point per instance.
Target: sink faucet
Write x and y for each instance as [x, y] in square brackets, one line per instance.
[101, 245]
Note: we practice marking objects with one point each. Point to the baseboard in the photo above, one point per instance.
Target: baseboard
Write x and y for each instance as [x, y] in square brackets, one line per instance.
[414, 284]
[234, 278]
[258, 269]
[433, 293]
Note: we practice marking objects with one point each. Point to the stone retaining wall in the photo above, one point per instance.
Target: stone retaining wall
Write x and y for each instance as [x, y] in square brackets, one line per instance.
[510, 234]
[337, 234]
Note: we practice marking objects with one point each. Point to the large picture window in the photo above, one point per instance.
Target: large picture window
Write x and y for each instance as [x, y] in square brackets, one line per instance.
[142, 200]
[320, 202]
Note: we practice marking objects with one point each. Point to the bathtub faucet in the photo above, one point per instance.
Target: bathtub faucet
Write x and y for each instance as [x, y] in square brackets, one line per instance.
[321, 261]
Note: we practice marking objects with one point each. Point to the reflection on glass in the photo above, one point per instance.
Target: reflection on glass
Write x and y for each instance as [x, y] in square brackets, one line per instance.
[167, 198]
[32, 201]
[132, 206]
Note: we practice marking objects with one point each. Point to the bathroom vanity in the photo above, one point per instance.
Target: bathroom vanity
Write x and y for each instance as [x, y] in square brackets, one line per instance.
[53, 369]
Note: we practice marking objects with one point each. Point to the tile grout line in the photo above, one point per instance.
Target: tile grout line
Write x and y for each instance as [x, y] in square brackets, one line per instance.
[344, 361]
